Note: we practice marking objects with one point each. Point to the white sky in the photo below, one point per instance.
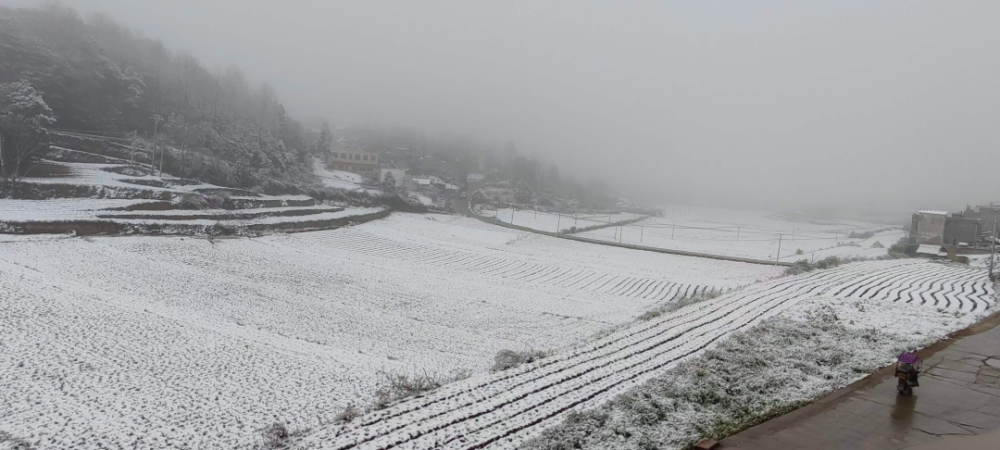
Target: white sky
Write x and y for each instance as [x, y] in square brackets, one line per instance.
[768, 104]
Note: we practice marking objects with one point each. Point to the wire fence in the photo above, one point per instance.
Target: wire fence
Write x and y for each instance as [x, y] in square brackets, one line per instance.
[733, 233]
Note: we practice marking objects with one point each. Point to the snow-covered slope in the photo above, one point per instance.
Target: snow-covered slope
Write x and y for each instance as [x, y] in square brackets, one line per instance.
[500, 411]
[196, 343]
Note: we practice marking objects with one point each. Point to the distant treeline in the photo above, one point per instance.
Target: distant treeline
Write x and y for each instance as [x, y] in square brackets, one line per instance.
[98, 75]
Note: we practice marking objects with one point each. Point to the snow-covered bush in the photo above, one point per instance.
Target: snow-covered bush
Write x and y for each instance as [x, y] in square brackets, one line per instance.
[508, 359]
[678, 304]
[349, 413]
[802, 265]
[398, 386]
[275, 436]
[192, 201]
[217, 201]
[901, 248]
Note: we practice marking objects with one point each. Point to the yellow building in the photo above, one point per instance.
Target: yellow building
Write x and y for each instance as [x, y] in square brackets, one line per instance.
[351, 157]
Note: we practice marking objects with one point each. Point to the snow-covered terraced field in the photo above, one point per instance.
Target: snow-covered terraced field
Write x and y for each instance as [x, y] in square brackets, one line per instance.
[726, 232]
[340, 179]
[503, 266]
[259, 214]
[752, 234]
[60, 208]
[95, 209]
[154, 219]
[152, 342]
[501, 410]
[94, 175]
[552, 222]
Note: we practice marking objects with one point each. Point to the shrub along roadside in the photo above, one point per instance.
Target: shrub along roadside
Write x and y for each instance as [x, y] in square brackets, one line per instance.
[901, 249]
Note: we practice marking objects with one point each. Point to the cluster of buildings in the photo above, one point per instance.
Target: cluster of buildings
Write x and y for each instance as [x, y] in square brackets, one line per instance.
[349, 155]
[968, 231]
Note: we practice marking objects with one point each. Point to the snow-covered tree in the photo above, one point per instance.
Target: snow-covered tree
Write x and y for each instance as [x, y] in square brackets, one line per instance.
[24, 122]
[324, 142]
[389, 183]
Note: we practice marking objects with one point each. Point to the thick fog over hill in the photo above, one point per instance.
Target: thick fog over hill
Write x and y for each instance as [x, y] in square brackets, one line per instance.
[763, 104]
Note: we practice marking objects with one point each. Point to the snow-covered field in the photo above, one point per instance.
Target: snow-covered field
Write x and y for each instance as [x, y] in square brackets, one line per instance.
[60, 208]
[503, 410]
[340, 179]
[94, 175]
[98, 209]
[752, 234]
[147, 342]
[552, 222]
[261, 211]
[717, 231]
[823, 343]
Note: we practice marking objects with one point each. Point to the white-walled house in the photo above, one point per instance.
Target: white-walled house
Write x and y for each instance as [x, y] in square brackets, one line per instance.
[350, 156]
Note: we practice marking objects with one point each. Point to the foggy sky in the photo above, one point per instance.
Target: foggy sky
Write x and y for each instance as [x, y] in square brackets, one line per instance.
[756, 104]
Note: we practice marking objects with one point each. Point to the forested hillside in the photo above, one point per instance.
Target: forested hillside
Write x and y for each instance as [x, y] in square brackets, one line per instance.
[99, 76]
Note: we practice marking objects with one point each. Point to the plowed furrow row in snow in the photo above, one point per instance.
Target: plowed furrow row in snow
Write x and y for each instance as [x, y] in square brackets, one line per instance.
[963, 292]
[946, 287]
[625, 339]
[509, 268]
[498, 410]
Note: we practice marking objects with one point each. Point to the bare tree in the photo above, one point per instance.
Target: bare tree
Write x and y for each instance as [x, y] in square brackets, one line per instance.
[24, 122]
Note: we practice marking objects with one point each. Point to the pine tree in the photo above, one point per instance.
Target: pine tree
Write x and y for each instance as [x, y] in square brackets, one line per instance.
[323, 145]
[24, 122]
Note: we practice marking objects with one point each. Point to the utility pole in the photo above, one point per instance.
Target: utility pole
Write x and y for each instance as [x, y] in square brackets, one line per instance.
[156, 124]
[132, 144]
[642, 229]
[512, 209]
[778, 256]
[993, 244]
[737, 234]
[672, 225]
[558, 221]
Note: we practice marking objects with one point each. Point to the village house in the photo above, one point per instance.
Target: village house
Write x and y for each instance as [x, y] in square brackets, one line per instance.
[939, 228]
[350, 156]
[927, 227]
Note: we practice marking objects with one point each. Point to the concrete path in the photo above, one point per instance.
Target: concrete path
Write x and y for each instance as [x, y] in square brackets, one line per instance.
[958, 397]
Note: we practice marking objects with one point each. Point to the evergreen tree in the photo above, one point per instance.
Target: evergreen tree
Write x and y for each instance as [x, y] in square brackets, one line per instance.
[325, 142]
[24, 122]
